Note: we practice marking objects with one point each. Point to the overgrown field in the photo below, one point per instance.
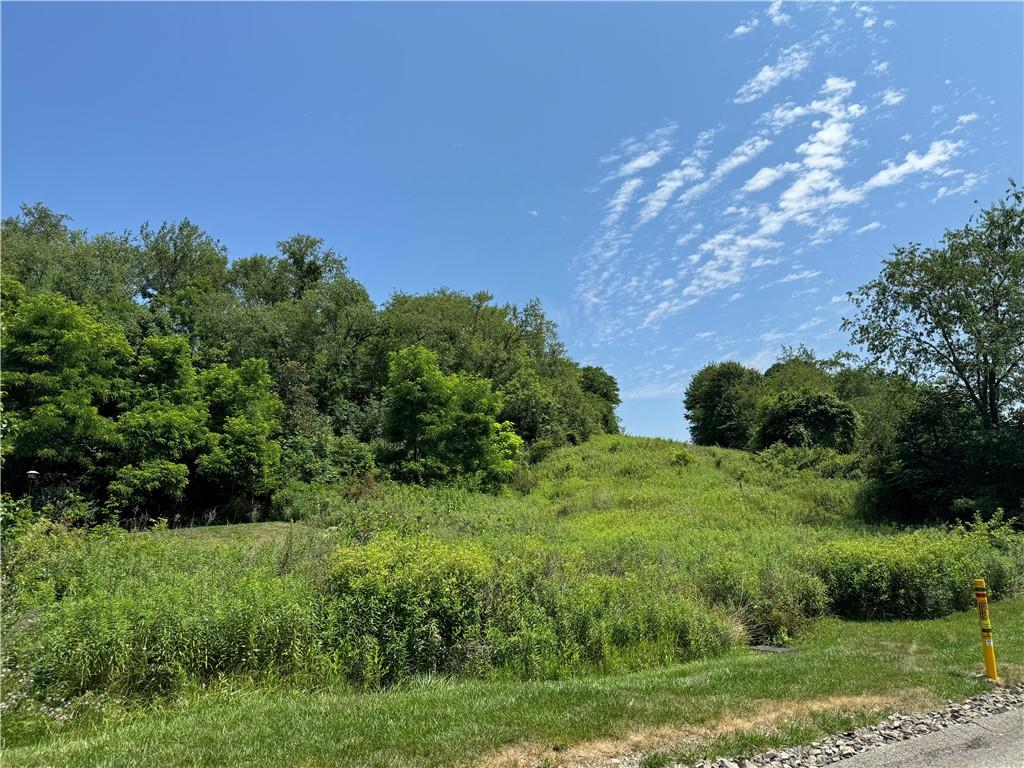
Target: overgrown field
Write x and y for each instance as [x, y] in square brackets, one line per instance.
[623, 554]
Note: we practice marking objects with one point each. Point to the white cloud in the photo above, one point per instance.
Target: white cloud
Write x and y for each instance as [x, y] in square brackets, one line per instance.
[965, 119]
[881, 67]
[533, 213]
[745, 27]
[654, 391]
[939, 152]
[765, 177]
[969, 182]
[740, 155]
[892, 97]
[813, 322]
[646, 160]
[688, 170]
[838, 85]
[791, 62]
[621, 200]
[868, 228]
[642, 153]
[776, 15]
[792, 277]
[692, 234]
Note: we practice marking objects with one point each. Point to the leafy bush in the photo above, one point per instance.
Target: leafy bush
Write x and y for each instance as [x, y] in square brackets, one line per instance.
[772, 603]
[806, 419]
[923, 574]
[945, 465]
[405, 606]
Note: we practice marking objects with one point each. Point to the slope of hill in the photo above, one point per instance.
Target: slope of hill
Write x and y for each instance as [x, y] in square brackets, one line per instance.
[617, 558]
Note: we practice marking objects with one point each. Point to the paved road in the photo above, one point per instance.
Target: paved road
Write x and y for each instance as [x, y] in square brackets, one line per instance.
[996, 741]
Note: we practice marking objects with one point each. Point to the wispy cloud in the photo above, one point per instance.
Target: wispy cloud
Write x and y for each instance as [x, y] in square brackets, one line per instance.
[765, 177]
[745, 28]
[621, 199]
[939, 152]
[869, 227]
[967, 182]
[739, 156]
[803, 173]
[892, 97]
[791, 62]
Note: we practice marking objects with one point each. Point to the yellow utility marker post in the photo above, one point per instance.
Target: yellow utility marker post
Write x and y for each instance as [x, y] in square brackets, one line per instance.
[987, 648]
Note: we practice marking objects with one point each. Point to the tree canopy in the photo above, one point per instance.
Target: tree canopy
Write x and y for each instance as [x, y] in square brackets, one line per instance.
[954, 314]
[149, 374]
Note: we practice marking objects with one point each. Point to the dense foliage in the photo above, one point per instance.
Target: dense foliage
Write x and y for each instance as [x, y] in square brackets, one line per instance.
[721, 403]
[146, 375]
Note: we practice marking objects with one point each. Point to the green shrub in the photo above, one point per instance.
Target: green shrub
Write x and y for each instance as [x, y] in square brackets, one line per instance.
[923, 574]
[406, 606]
[772, 603]
[806, 419]
[824, 462]
[682, 458]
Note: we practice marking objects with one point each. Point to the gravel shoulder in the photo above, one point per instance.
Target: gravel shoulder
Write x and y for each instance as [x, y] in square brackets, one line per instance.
[984, 732]
[994, 741]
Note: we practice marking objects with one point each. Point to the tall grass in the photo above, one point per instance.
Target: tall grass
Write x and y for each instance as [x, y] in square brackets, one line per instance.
[624, 554]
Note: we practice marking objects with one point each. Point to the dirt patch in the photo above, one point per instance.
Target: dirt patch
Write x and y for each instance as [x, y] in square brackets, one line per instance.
[763, 715]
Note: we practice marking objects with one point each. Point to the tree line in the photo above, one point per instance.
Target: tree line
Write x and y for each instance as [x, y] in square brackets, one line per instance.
[933, 413]
[145, 374]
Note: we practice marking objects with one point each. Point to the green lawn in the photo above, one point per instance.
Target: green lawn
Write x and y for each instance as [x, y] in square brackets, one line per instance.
[842, 674]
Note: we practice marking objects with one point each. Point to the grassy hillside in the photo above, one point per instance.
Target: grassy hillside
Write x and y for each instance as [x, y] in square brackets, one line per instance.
[590, 602]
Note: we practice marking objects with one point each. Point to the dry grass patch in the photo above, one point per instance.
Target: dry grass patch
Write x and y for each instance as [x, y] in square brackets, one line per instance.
[764, 716]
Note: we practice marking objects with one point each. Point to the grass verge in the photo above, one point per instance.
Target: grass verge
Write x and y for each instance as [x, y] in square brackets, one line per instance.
[842, 674]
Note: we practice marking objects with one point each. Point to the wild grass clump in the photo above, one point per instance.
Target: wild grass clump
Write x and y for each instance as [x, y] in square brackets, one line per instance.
[139, 616]
[922, 574]
[824, 462]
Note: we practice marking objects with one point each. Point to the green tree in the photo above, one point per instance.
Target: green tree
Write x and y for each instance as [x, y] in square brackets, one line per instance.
[161, 436]
[445, 425]
[955, 314]
[945, 463]
[798, 369]
[604, 395]
[64, 381]
[721, 404]
[181, 268]
[240, 465]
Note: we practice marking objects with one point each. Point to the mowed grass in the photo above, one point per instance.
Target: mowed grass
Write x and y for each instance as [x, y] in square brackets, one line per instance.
[841, 674]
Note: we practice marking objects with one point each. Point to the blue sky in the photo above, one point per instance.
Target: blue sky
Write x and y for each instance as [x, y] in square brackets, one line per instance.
[678, 183]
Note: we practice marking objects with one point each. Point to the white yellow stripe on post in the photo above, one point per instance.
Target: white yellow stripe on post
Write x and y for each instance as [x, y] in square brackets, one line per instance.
[987, 648]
